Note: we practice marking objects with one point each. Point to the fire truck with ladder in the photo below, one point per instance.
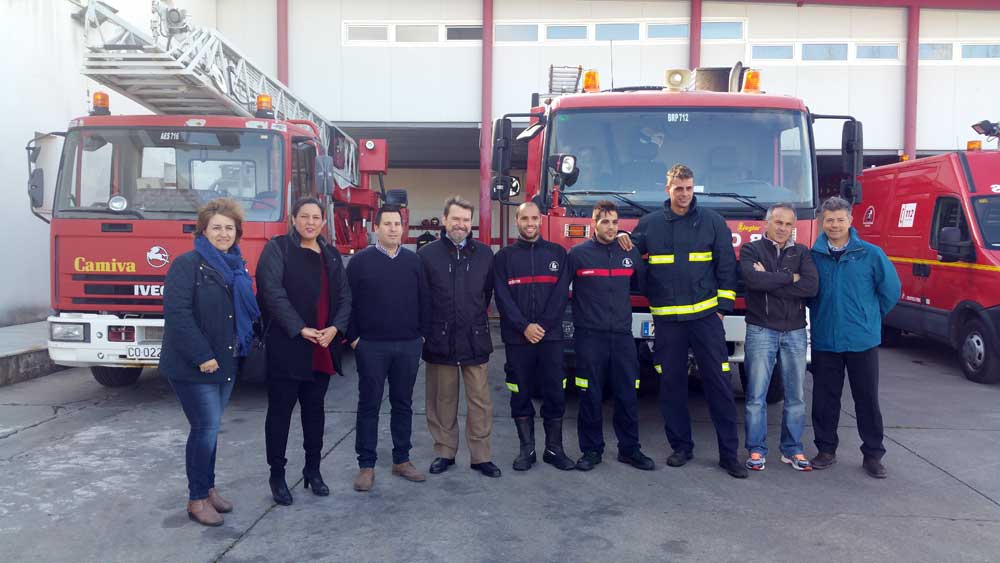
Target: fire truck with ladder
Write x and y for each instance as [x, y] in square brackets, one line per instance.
[128, 187]
[748, 150]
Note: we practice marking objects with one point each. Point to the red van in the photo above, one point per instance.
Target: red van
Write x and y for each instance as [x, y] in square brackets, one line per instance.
[938, 220]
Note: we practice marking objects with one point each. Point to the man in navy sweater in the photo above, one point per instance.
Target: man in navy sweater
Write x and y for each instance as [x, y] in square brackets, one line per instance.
[531, 293]
[387, 333]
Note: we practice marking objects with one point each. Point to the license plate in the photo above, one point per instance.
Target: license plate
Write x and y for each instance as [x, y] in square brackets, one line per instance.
[648, 329]
[142, 352]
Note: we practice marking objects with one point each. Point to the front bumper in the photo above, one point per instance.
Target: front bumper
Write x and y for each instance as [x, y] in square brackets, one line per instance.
[97, 350]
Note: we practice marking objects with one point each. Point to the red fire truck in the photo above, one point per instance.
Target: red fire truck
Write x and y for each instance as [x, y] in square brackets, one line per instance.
[128, 187]
[748, 150]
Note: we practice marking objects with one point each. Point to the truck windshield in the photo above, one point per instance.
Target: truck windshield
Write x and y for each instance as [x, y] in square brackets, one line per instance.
[169, 173]
[759, 154]
[988, 216]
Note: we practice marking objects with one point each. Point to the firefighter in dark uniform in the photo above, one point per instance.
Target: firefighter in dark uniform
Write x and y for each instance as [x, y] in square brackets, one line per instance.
[602, 274]
[531, 293]
[690, 282]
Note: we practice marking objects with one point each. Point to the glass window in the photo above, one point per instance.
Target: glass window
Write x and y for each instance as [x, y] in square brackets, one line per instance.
[516, 32]
[935, 51]
[824, 52]
[617, 31]
[948, 213]
[667, 31]
[878, 52]
[464, 32]
[722, 30]
[771, 52]
[566, 32]
[988, 215]
[367, 33]
[417, 33]
[981, 51]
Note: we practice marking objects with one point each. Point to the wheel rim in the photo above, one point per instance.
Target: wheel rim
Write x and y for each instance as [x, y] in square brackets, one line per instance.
[974, 351]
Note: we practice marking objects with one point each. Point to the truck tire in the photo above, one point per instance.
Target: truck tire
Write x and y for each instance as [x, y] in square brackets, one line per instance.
[776, 389]
[977, 354]
[115, 377]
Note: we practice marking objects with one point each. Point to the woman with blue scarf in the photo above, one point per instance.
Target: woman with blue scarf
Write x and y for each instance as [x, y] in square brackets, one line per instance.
[209, 310]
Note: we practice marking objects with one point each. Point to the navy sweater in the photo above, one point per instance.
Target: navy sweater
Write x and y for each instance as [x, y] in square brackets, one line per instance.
[391, 300]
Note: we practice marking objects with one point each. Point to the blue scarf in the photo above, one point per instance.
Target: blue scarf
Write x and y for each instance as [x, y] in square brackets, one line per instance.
[234, 270]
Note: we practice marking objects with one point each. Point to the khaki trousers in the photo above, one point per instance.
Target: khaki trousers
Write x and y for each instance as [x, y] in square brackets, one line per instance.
[442, 410]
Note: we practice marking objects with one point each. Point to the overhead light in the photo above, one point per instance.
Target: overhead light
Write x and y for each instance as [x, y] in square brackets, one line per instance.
[986, 127]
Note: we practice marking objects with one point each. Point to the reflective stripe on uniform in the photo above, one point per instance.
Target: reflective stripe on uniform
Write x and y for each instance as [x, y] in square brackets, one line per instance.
[700, 256]
[658, 368]
[686, 309]
[636, 383]
[564, 383]
[582, 383]
[725, 366]
[727, 294]
[661, 259]
[512, 387]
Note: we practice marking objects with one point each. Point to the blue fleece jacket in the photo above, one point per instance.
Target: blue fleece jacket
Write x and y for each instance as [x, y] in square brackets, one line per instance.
[855, 294]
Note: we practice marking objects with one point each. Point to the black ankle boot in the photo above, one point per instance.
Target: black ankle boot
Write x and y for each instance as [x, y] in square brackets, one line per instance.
[526, 434]
[554, 454]
[279, 489]
[313, 480]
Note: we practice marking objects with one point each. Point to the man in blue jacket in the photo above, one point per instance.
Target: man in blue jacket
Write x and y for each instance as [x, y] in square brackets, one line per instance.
[858, 286]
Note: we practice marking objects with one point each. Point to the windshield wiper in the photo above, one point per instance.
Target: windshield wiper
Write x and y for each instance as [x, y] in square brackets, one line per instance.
[620, 196]
[130, 212]
[747, 200]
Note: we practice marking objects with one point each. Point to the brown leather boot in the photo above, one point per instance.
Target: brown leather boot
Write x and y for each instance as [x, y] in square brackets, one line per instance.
[407, 471]
[220, 504]
[365, 480]
[202, 512]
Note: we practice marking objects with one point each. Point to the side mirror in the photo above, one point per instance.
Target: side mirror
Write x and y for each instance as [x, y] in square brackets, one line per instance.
[502, 146]
[504, 188]
[852, 152]
[951, 247]
[36, 188]
[324, 174]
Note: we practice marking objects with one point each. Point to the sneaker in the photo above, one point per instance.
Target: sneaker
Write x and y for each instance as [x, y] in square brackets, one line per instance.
[798, 462]
[756, 462]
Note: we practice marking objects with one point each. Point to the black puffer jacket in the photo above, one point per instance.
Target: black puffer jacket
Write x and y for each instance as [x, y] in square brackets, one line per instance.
[773, 300]
[461, 286]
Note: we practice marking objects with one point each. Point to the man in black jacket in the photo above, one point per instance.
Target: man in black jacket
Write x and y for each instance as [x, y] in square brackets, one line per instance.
[459, 273]
[602, 274]
[531, 294]
[690, 283]
[779, 276]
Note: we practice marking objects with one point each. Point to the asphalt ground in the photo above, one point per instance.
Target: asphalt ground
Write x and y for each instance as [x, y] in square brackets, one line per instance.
[95, 474]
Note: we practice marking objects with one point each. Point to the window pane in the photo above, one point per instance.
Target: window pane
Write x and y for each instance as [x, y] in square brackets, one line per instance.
[367, 33]
[878, 52]
[617, 32]
[935, 51]
[776, 52]
[516, 32]
[825, 52]
[981, 51]
[416, 33]
[722, 30]
[566, 32]
[667, 31]
[465, 32]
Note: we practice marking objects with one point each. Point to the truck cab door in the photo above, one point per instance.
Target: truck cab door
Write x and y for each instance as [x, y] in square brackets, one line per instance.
[943, 283]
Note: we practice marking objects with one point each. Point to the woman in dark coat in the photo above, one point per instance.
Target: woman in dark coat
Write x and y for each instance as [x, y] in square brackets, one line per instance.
[306, 301]
[209, 310]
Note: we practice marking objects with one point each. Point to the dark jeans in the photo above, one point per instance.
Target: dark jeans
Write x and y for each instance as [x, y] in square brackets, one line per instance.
[707, 338]
[379, 360]
[203, 404]
[282, 394]
[528, 364]
[828, 386]
[607, 357]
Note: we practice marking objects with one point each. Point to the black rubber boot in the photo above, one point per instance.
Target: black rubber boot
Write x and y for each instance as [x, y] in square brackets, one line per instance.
[554, 454]
[526, 434]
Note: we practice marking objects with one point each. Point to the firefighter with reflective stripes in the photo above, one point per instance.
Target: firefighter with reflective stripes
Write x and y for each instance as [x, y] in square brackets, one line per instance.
[603, 274]
[531, 294]
[690, 282]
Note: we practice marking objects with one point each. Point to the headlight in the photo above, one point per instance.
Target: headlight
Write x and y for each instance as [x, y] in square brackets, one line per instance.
[67, 332]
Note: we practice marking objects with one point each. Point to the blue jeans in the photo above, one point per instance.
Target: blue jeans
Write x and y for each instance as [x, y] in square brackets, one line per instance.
[763, 346]
[203, 404]
[378, 361]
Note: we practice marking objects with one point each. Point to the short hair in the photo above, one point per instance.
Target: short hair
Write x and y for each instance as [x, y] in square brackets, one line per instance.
[459, 201]
[227, 207]
[386, 209]
[517, 212]
[304, 201]
[770, 210]
[835, 204]
[678, 172]
[603, 207]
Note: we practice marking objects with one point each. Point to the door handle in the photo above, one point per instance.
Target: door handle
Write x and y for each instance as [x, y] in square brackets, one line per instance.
[921, 270]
